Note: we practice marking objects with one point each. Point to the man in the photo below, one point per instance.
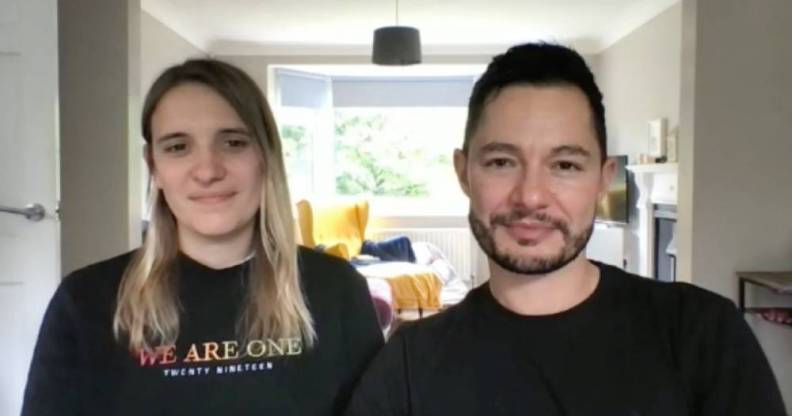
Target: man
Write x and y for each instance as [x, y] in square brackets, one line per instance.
[552, 333]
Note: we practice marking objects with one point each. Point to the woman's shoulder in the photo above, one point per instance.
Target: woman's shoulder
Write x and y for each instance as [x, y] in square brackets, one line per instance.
[316, 260]
[321, 269]
[98, 277]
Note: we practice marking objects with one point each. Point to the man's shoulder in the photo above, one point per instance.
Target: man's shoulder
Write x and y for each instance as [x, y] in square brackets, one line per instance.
[435, 330]
[673, 297]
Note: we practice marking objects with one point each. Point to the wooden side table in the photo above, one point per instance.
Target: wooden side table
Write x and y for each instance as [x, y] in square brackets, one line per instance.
[777, 282]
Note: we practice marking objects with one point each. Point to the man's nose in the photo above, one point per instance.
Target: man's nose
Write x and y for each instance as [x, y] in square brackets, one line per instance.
[531, 190]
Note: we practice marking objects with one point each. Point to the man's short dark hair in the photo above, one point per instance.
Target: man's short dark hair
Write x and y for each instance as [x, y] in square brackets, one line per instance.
[541, 64]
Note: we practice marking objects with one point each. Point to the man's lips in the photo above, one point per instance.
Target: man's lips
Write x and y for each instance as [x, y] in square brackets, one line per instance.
[528, 231]
[212, 198]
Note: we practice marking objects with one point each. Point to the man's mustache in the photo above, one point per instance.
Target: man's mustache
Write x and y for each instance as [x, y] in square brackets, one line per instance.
[514, 216]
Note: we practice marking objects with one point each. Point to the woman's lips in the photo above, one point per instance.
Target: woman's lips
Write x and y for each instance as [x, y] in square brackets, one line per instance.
[212, 198]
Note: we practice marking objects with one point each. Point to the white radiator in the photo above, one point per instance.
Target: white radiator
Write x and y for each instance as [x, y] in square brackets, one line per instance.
[456, 244]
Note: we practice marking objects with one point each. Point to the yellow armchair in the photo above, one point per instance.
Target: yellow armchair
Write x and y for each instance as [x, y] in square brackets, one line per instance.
[340, 227]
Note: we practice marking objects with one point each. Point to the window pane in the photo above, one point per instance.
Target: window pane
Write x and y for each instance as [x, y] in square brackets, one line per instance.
[297, 133]
[397, 152]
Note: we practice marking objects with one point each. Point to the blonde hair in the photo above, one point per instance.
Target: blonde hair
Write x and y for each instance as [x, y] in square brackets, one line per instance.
[147, 310]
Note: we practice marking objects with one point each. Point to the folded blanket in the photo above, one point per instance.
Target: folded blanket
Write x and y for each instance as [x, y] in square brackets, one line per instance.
[412, 286]
[397, 248]
[455, 287]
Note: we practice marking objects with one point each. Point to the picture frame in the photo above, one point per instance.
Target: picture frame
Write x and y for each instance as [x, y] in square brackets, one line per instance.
[657, 137]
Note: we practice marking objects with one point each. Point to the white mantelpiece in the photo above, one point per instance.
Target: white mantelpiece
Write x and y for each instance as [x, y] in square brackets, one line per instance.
[657, 184]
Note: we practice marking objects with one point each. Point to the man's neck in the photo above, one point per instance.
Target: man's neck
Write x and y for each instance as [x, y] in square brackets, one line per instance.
[544, 294]
[218, 253]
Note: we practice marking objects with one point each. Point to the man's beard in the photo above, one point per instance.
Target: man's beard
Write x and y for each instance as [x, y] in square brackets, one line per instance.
[573, 243]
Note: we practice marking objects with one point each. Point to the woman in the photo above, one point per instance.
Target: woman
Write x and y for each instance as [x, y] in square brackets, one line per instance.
[218, 312]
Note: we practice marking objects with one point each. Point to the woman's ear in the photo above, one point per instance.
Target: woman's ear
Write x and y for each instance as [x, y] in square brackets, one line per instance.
[149, 157]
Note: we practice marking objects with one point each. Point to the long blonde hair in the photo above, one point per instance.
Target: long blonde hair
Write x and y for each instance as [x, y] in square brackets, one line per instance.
[147, 311]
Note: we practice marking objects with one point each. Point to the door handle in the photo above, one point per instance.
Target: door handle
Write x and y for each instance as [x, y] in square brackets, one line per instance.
[33, 212]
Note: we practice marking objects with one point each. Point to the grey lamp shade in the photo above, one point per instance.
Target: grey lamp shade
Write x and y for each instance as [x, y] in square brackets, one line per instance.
[396, 45]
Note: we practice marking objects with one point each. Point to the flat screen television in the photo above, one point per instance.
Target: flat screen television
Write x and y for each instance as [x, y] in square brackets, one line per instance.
[615, 207]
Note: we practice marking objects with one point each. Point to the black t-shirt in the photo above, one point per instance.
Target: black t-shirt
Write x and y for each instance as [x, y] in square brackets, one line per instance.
[634, 347]
[79, 369]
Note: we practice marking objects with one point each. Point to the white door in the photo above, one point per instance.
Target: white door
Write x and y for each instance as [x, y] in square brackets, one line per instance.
[29, 250]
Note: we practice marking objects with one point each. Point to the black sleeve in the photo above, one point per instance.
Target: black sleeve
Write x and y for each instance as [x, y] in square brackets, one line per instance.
[362, 329]
[52, 384]
[733, 375]
[384, 388]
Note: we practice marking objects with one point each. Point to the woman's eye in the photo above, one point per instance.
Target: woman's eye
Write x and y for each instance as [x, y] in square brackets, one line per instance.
[175, 148]
[237, 142]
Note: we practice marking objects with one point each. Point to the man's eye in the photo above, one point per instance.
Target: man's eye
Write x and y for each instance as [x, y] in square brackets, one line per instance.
[567, 166]
[500, 162]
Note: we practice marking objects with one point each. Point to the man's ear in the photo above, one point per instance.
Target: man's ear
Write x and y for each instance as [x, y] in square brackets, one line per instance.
[606, 176]
[460, 165]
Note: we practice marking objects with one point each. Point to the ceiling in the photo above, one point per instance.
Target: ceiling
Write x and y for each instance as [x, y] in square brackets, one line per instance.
[459, 27]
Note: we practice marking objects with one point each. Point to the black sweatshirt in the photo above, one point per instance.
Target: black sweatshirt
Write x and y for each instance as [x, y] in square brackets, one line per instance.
[79, 369]
[634, 347]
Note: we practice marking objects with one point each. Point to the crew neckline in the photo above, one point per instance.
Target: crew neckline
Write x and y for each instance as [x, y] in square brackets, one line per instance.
[582, 310]
[189, 263]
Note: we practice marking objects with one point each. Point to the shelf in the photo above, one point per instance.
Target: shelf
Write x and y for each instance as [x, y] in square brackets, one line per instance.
[654, 168]
[777, 282]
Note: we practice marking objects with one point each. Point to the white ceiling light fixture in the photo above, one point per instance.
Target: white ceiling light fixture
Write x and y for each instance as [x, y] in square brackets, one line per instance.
[396, 45]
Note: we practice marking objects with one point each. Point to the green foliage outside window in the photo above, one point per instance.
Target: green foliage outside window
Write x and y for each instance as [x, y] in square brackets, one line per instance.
[294, 141]
[375, 155]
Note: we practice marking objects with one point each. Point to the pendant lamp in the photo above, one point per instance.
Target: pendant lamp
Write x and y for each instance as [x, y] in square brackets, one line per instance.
[396, 45]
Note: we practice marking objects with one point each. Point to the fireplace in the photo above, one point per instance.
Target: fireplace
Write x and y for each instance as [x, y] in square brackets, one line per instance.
[656, 215]
[664, 242]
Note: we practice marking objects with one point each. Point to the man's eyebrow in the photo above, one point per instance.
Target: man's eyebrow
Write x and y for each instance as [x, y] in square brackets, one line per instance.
[570, 150]
[499, 147]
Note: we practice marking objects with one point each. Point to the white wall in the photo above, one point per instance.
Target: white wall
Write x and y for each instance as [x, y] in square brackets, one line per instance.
[639, 77]
[739, 125]
[161, 47]
[98, 49]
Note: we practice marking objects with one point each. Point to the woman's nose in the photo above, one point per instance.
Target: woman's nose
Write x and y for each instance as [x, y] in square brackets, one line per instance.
[209, 167]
